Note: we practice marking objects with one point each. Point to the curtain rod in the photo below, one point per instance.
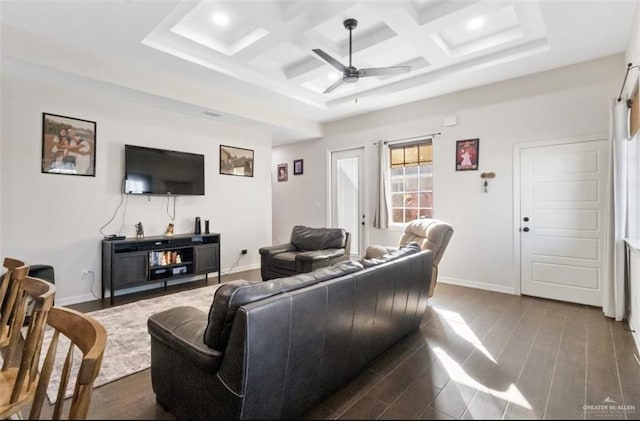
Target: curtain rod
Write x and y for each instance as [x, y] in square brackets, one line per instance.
[410, 138]
[629, 67]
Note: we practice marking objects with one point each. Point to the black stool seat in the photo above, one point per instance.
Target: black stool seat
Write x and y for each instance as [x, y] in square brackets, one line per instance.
[43, 272]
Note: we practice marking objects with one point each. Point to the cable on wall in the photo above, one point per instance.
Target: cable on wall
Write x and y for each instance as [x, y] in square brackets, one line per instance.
[173, 217]
[115, 212]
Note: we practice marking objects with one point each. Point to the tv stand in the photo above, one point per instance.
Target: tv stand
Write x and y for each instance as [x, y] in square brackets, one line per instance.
[133, 262]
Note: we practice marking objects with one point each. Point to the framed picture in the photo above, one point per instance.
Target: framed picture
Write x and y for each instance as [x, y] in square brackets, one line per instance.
[68, 145]
[283, 174]
[236, 161]
[297, 166]
[467, 154]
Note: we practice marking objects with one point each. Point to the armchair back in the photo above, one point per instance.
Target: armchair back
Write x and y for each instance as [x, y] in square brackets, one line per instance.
[430, 234]
[308, 249]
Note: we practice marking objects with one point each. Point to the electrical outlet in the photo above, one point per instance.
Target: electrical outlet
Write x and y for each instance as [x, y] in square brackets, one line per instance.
[243, 251]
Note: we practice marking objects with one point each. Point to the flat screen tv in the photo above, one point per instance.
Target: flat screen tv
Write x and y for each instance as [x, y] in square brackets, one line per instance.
[160, 171]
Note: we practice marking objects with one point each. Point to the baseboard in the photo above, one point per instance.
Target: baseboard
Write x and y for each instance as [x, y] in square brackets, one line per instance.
[241, 268]
[479, 285]
[76, 299]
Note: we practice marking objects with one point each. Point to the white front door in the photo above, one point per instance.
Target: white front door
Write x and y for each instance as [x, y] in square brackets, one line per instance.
[564, 197]
[347, 195]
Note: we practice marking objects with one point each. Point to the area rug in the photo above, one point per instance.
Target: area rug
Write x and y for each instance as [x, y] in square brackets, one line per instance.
[128, 349]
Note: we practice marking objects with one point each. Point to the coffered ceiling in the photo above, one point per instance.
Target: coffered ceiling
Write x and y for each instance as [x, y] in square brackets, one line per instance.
[261, 51]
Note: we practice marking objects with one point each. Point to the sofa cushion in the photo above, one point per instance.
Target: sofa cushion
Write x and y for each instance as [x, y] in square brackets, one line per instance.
[180, 328]
[286, 260]
[323, 254]
[233, 294]
[339, 269]
[405, 250]
[375, 251]
[306, 238]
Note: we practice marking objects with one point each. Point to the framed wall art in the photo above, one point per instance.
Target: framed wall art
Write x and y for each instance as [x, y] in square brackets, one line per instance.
[283, 173]
[68, 145]
[236, 161]
[467, 154]
[298, 167]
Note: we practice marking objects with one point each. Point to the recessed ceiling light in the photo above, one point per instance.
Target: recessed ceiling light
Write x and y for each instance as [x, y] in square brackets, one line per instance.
[475, 23]
[220, 19]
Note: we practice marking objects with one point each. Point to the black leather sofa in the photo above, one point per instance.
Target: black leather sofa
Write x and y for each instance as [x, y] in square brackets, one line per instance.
[307, 250]
[273, 349]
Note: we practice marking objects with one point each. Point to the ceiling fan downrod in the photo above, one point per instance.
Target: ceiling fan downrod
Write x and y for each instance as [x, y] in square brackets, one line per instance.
[350, 24]
[350, 74]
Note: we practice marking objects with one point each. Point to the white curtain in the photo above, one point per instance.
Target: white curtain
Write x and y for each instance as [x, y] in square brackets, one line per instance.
[614, 304]
[381, 216]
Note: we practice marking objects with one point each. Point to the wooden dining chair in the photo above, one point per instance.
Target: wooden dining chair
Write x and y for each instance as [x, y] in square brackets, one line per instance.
[10, 283]
[90, 337]
[19, 374]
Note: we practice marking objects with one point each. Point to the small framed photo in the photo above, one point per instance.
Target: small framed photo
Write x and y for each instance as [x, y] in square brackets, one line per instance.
[298, 166]
[236, 161]
[68, 145]
[467, 154]
[283, 174]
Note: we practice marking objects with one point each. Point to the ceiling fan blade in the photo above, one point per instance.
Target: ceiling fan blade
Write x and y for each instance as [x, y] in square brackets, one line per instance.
[334, 86]
[332, 61]
[383, 71]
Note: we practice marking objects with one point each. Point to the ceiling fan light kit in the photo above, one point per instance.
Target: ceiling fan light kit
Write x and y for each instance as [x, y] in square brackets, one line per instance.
[351, 73]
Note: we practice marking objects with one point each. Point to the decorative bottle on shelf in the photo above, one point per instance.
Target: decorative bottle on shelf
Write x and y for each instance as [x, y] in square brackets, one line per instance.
[139, 230]
[198, 227]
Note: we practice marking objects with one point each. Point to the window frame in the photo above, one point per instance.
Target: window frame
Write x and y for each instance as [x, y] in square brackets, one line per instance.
[418, 163]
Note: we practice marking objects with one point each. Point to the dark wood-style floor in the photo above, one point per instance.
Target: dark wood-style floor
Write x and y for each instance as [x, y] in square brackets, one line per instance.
[478, 355]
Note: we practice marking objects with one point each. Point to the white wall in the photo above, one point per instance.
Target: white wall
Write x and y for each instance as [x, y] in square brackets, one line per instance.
[569, 102]
[633, 56]
[55, 219]
[304, 205]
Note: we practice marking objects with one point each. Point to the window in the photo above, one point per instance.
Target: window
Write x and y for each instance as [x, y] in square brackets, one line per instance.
[411, 181]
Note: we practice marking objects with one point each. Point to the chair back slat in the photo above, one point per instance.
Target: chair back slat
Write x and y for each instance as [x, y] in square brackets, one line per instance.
[10, 285]
[90, 338]
[19, 373]
[64, 381]
[45, 373]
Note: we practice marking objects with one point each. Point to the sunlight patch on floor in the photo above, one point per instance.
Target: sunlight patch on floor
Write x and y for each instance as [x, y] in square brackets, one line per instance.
[462, 329]
[457, 374]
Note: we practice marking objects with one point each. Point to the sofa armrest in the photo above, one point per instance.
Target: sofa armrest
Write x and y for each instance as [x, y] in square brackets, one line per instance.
[278, 248]
[182, 330]
[316, 255]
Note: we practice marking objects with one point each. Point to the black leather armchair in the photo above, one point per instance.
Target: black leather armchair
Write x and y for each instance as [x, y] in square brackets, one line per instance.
[309, 249]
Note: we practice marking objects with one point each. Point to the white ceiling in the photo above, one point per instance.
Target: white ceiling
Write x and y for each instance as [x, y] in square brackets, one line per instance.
[264, 57]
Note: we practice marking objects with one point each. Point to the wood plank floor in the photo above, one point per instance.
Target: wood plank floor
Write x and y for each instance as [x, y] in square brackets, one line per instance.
[477, 355]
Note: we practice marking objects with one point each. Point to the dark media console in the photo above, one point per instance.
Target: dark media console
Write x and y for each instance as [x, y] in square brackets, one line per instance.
[132, 262]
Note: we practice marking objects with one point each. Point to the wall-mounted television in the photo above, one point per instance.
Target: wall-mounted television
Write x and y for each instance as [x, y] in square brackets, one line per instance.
[160, 171]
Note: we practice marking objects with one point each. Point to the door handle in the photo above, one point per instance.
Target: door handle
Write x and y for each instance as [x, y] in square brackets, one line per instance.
[525, 229]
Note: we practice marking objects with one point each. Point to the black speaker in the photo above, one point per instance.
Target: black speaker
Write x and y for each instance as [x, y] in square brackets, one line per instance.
[206, 226]
[198, 227]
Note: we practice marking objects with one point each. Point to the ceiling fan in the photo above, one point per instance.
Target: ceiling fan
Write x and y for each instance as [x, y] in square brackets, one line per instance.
[351, 73]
